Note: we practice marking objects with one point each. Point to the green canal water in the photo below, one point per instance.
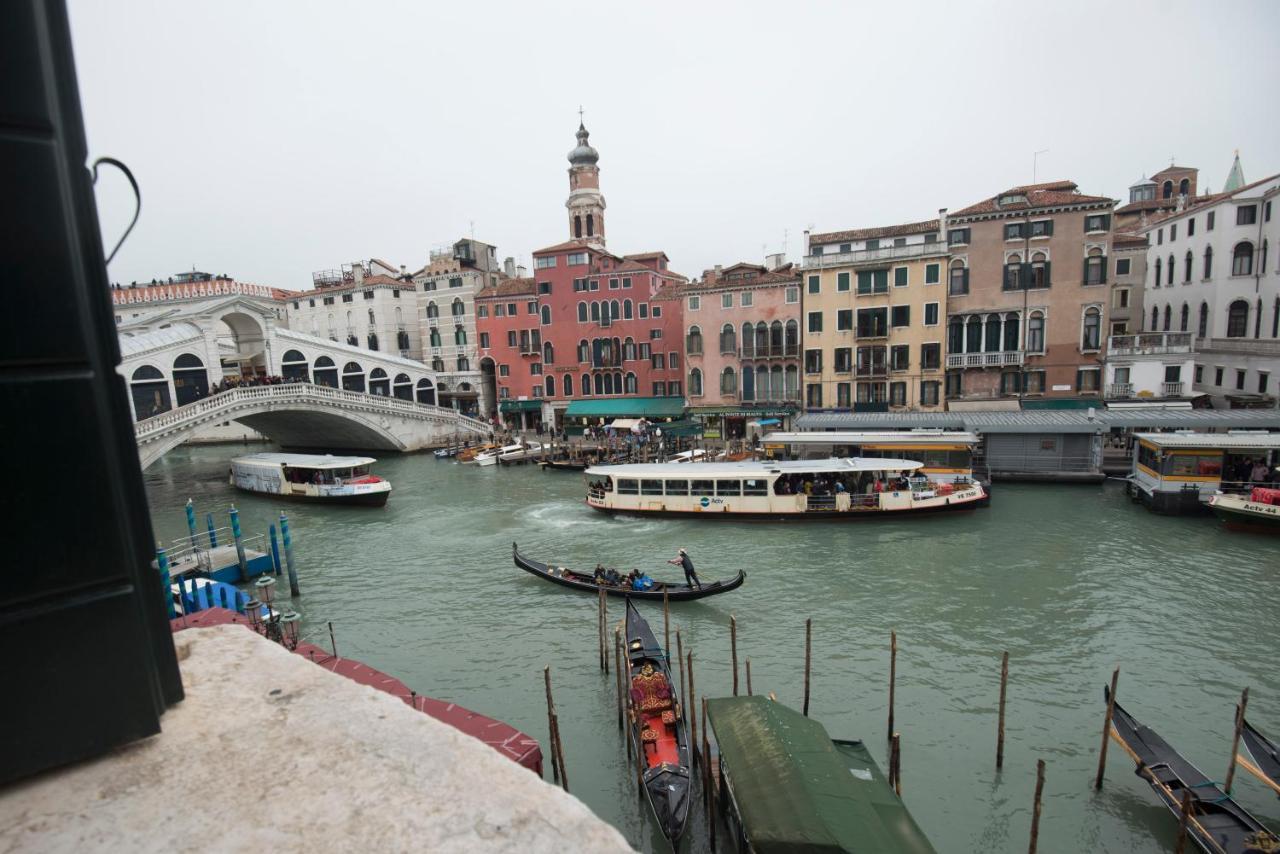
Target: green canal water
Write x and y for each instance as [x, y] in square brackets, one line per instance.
[1071, 580]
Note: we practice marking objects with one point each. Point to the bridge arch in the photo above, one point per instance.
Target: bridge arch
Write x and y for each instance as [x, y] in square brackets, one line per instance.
[426, 392]
[352, 377]
[245, 337]
[293, 367]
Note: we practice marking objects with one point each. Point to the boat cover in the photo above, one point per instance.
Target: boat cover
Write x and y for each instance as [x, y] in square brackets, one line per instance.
[797, 790]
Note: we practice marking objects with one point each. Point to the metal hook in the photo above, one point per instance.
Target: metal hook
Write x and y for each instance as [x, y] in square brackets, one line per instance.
[137, 195]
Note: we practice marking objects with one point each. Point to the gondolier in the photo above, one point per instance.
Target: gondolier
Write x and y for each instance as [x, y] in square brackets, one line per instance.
[682, 560]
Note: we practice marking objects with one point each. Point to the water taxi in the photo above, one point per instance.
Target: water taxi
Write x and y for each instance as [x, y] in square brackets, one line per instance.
[1259, 511]
[311, 477]
[847, 488]
[1180, 473]
[517, 452]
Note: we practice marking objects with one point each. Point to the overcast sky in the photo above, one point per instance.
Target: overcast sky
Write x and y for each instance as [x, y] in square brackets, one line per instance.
[272, 139]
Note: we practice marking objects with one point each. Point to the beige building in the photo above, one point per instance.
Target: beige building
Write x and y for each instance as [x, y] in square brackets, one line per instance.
[873, 309]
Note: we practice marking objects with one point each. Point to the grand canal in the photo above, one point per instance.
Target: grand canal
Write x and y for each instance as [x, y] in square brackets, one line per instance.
[1071, 580]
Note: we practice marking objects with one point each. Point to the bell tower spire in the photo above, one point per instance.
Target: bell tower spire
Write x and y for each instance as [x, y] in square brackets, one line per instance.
[585, 204]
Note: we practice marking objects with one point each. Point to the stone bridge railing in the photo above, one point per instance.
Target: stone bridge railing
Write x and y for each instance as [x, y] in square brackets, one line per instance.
[224, 405]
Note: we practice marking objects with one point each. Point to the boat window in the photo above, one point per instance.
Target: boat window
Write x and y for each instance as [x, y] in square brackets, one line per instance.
[677, 487]
[360, 471]
[1147, 457]
[704, 487]
[628, 486]
[650, 487]
[1191, 465]
[728, 487]
[755, 486]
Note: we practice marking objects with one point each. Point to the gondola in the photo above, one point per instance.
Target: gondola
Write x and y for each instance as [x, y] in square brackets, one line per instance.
[1265, 757]
[584, 581]
[657, 728]
[564, 465]
[1217, 823]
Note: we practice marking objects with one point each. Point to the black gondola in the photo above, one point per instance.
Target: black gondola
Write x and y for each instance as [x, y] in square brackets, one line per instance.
[585, 581]
[1265, 764]
[657, 727]
[564, 465]
[1217, 823]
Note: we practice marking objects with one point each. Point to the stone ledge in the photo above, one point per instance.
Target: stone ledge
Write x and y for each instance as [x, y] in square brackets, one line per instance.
[270, 752]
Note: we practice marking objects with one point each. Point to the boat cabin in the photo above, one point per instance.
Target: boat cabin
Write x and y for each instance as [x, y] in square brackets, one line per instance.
[944, 455]
[321, 477]
[1178, 473]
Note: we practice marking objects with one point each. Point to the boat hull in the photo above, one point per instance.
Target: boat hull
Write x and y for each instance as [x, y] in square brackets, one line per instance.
[360, 499]
[1240, 514]
[673, 592]
[823, 516]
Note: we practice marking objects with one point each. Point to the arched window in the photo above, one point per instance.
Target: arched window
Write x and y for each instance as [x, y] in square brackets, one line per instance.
[426, 392]
[402, 340]
[1184, 318]
[435, 337]
[1203, 330]
[1158, 269]
[550, 383]
[617, 383]
[1166, 190]
[1155, 319]
[793, 338]
[608, 383]
[399, 317]
[1238, 319]
[748, 383]
[548, 353]
[371, 319]
[776, 386]
[1208, 261]
[595, 312]
[379, 382]
[577, 225]
[955, 335]
[775, 338]
[992, 342]
[792, 389]
[728, 381]
[1040, 270]
[325, 372]
[728, 339]
[1168, 317]
[1011, 331]
[615, 309]
[433, 311]
[293, 366]
[748, 340]
[627, 309]
[545, 311]
[1184, 187]
[1035, 332]
[402, 387]
[591, 225]
[437, 363]
[629, 350]
[1242, 259]
[459, 308]
[1187, 262]
[584, 351]
[631, 383]
[586, 385]
[352, 377]
[1095, 268]
[582, 312]
[973, 334]
[150, 392]
[373, 340]
[459, 335]
[695, 382]
[958, 281]
[762, 339]
[693, 341]
[568, 385]
[1169, 272]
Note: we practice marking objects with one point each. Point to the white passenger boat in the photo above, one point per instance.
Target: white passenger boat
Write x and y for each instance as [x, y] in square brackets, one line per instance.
[311, 477]
[847, 488]
[527, 452]
[506, 452]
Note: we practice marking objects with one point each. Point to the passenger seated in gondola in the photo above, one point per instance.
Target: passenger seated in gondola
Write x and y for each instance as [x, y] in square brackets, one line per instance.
[611, 576]
[599, 576]
[642, 581]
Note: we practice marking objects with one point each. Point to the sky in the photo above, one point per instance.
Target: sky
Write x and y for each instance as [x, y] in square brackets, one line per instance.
[274, 139]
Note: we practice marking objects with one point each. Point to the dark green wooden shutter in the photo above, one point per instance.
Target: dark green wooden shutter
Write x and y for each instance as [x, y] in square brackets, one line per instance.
[1102, 272]
[1024, 277]
[966, 280]
[1047, 279]
[1048, 227]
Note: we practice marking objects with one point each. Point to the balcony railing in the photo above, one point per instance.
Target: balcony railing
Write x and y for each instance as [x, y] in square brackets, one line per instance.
[1171, 389]
[867, 256]
[996, 359]
[1151, 344]
[1120, 390]
[789, 351]
[877, 370]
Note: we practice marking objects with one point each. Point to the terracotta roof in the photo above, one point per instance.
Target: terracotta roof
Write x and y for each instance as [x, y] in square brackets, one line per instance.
[1048, 195]
[1128, 240]
[1148, 205]
[643, 256]
[560, 247]
[509, 288]
[783, 275]
[384, 280]
[872, 233]
[633, 267]
[1204, 201]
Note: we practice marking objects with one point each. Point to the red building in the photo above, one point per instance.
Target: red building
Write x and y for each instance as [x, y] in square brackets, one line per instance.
[588, 328]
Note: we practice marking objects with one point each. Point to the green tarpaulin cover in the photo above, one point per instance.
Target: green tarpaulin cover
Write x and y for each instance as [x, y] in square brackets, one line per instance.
[797, 790]
[627, 407]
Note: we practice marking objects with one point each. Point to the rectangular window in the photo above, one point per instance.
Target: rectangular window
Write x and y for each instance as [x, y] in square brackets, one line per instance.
[899, 277]
[955, 384]
[535, 369]
[544, 288]
[544, 262]
[484, 340]
[843, 361]
[1097, 222]
[813, 361]
[929, 393]
[815, 285]
[346, 297]
[650, 487]
[1120, 298]
[793, 296]
[873, 322]
[842, 282]
[504, 370]
[864, 282]
[726, 300]
[1159, 237]
[1122, 266]
[1262, 379]
[504, 392]
[645, 350]
[499, 311]
[1266, 212]
[813, 395]
[930, 356]
[677, 487]
[695, 303]
[1199, 374]
[1173, 232]
[1217, 376]
[1210, 217]
[673, 389]
[728, 488]
[873, 244]
[1246, 215]
[1014, 231]
[628, 486]
[899, 357]
[456, 282]
[842, 396]
[844, 319]
[368, 294]
[644, 310]
[745, 299]
[881, 283]
[657, 312]
[524, 340]
[511, 309]
[958, 284]
[932, 274]
[576, 258]
[531, 308]
[1191, 227]
[655, 334]
[898, 394]
[593, 285]
[931, 314]
[511, 338]
[957, 236]
[1034, 382]
[901, 316]
[613, 284]
[659, 389]
[1042, 228]
[755, 486]
[1087, 379]
[703, 487]
[1240, 375]
[659, 361]
[815, 321]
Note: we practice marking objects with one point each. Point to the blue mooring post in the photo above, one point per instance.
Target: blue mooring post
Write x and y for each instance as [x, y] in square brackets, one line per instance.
[162, 560]
[288, 556]
[191, 522]
[275, 549]
[235, 533]
[213, 537]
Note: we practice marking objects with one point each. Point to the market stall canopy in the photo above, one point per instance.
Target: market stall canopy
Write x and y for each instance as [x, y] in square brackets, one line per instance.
[520, 406]
[627, 407]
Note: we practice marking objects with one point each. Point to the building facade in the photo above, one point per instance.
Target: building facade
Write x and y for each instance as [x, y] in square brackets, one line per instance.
[363, 304]
[873, 307]
[1027, 295]
[1128, 280]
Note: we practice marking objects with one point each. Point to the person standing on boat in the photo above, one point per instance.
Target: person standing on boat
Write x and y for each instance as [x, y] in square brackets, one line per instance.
[682, 560]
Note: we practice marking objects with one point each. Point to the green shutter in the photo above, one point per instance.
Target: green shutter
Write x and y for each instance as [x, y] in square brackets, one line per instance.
[1103, 271]
[1048, 279]
[1048, 228]
[1025, 276]
[966, 280]
[842, 281]
[881, 281]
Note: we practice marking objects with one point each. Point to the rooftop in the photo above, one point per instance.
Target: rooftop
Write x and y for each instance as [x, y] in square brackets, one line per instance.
[901, 230]
[1226, 441]
[509, 288]
[1052, 194]
[1049, 421]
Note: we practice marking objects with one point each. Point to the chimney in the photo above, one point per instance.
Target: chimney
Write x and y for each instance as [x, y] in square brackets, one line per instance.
[775, 261]
[942, 224]
[509, 267]
[806, 242]
[719, 270]
[357, 270]
[522, 272]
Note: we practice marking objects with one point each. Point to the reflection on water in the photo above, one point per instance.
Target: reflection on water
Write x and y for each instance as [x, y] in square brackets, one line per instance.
[1071, 580]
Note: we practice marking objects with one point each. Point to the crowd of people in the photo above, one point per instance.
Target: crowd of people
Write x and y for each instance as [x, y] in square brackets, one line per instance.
[826, 484]
[229, 383]
[635, 579]
[1254, 472]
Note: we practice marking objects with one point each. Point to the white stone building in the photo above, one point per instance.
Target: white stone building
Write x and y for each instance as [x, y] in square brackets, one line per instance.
[1210, 273]
[365, 304]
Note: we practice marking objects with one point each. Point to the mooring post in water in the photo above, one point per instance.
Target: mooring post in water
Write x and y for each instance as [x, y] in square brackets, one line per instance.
[680, 666]
[617, 666]
[600, 625]
[333, 643]
[1106, 729]
[559, 742]
[666, 625]
[213, 534]
[1004, 683]
[162, 561]
[748, 676]
[808, 638]
[235, 533]
[275, 548]
[1035, 813]
[191, 522]
[693, 719]
[1184, 818]
[897, 764]
[1235, 740]
[288, 556]
[733, 650]
[893, 674]
[709, 780]
[706, 766]
[551, 726]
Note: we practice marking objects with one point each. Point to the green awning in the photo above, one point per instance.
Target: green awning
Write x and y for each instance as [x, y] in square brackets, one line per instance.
[1062, 403]
[744, 412]
[520, 406]
[627, 407]
[686, 427]
[797, 790]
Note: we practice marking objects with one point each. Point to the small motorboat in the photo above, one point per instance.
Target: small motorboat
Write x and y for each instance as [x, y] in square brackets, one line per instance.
[1217, 823]
[311, 477]
[491, 456]
[445, 453]
[524, 452]
[585, 581]
[1259, 511]
[1263, 761]
[657, 728]
[468, 455]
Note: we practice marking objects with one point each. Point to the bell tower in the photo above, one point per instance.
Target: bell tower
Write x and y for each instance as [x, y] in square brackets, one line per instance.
[585, 204]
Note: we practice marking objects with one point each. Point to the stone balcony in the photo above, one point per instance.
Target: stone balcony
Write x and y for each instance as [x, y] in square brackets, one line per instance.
[269, 752]
[994, 359]
[1151, 344]
[873, 256]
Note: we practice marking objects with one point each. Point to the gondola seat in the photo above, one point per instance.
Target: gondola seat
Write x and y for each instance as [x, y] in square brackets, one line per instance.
[649, 738]
[669, 717]
[651, 693]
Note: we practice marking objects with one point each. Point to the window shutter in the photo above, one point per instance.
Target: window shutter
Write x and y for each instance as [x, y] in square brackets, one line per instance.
[1048, 227]
[1106, 222]
[1025, 276]
[1047, 280]
[1084, 274]
[966, 280]
[1102, 271]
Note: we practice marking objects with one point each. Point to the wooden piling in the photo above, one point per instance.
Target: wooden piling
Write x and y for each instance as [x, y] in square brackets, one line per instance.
[693, 720]
[551, 726]
[748, 676]
[604, 627]
[600, 625]
[333, 644]
[1035, 813]
[680, 666]
[666, 624]
[893, 675]
[733, 646]
[559, 750]
[1106, 729]
[895, 763]
[808, 637]
[1004, 683]
[1235, 740]
[1184, 817]
[617, 666]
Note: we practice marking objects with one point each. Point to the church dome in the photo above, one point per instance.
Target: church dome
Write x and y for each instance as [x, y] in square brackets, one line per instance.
[583, 154]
